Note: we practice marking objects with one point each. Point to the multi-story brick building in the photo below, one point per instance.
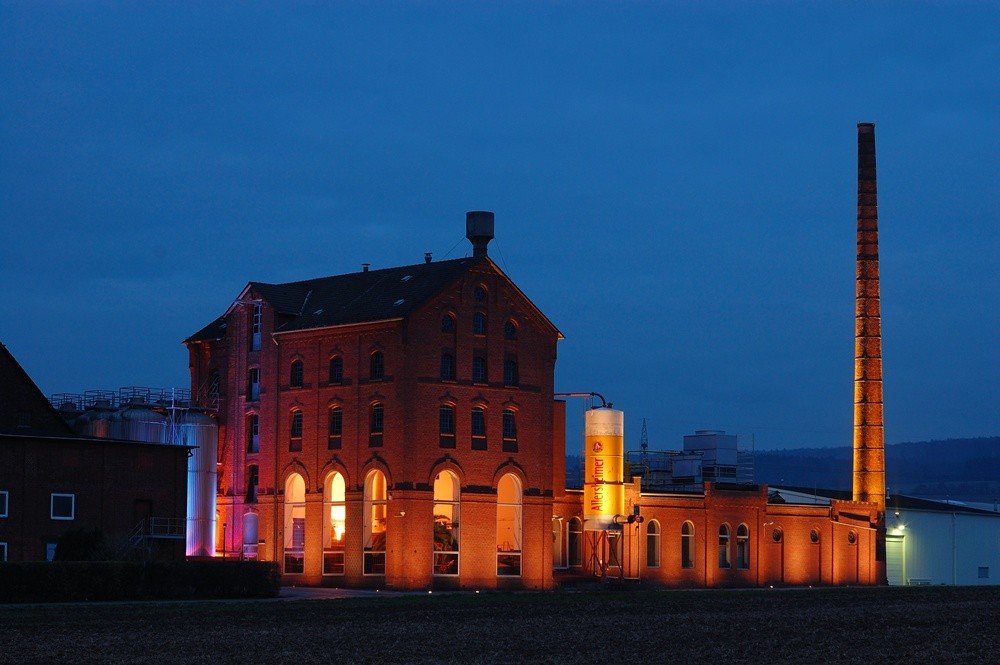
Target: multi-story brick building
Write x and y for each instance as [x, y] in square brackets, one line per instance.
[387, 427]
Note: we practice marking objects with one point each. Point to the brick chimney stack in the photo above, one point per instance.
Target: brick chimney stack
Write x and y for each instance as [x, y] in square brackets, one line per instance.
[869, 441]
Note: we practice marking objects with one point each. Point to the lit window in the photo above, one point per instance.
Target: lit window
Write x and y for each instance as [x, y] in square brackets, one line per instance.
[376, 421]
[743, 547]
[255, 327]
[509, 431]
[724, 559]
[446, 521]
[479, 323]
[62, 506]
[448, 323]
[447, 367]
[295, 525]
[575, 542]
[509, 526]
[334, 524]
[687, 545]
[295, 432]
[510, 374]
[479, 367]
[335, 428]
[375, 524]
[376, 366]
[652, 544]
[336, 369]
[252, 480]
[253, 433]
[446, 420]
[478, 428]
[295, 376]
[510, 330]
[4, 501]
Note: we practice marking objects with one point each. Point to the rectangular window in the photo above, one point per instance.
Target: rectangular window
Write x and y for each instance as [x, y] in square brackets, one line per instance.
[253, 433]
[295, 434]
[3, 551]
[4, 500]
[253, 384]
[255, 327]
[478, 429]
[336, 369]
[510, 374]
[376, 423]
[50, 551]
[296, 376]
[446, 424]
[62, 506]
[335, 429]
[447, 367]
[252, 479]
[509, 431]
[984, 572]
[479, 373]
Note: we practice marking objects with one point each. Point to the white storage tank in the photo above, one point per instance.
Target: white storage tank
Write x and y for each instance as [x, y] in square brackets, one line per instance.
[200, 430]
[137, 423]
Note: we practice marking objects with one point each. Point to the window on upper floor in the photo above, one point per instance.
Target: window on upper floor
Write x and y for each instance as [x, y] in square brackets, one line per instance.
[510, 330]
[253, 384]
[253, 433]
[4, 502]
[256, 318]
[62, 506]
[511, 377]
[3, 551]
[376, 366]
[478, 323]
[336, 370]
[252, 480]
[335, 428]
[295, 375]
[447, 366]
[295, 431]
[480, 294]
[478, 428]
[446, 426]
[509, 431]
[448, 323]
[376, 423]
[479, 367]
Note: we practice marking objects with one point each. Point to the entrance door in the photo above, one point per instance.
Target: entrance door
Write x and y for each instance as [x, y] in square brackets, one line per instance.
[895, 560]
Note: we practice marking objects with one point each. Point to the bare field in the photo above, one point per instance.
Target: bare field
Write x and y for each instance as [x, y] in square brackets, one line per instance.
[930, 624]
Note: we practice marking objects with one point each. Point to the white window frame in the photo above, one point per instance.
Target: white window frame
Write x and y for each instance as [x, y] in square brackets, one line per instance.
[52, 500]
[6, 503]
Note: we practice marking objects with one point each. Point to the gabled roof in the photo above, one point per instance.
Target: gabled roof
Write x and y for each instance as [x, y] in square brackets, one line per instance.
[359, 297]
[19, 394]
[893, 501]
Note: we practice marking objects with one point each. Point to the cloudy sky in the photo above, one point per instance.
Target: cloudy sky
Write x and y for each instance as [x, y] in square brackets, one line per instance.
[674, 186]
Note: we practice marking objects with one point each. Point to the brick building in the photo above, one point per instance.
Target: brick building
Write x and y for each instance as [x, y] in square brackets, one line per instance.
[53, 481]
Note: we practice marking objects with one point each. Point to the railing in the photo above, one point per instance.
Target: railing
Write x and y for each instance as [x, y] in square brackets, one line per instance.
[167, 527]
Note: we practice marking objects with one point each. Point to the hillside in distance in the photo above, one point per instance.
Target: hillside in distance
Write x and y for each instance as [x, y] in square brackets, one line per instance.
[960, 469]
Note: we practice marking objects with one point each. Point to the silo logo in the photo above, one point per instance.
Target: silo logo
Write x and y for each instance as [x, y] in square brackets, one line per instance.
[598, 446]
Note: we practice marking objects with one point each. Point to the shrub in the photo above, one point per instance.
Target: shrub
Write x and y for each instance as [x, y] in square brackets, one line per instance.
[61, 581]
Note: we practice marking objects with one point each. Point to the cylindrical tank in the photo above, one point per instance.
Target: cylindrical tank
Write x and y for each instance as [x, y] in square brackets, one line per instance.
[99, 424]
[603, 486]
[138, 423]
[199, 430]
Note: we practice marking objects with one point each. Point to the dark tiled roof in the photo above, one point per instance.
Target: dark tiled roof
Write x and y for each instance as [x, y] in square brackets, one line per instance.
[19, 394]
[357, 297]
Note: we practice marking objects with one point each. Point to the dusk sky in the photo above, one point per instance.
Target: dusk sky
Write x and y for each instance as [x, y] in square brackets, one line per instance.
[674, 186]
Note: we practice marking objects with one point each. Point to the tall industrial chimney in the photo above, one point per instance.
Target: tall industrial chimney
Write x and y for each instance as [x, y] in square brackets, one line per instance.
[869, 441]
[479, 230]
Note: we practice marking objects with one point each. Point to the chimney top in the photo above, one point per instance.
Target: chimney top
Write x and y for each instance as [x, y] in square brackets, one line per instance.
[427, 257]
[866, 125]
[479, 230]
[365, 266]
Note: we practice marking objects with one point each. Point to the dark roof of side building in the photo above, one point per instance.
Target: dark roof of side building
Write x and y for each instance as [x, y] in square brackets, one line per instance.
[892, 501]
[21, 398]
[359, 297]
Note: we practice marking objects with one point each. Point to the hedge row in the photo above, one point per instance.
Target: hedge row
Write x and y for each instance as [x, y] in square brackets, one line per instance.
[61, 581]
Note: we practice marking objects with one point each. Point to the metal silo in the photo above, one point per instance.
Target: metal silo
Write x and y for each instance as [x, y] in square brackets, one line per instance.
[193, 428]
[137, 422]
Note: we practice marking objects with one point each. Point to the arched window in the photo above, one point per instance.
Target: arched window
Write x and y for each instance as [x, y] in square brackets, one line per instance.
[479, 374]
[336, 370]
[480, 293]
[446, 520]
[509, 431]
[376, 513]
[478, 323]
[724, 559]
[652, 544]
[334, 524]
[447, 366]
[510, 330]
[448, 323]
[687, 545]
[251, 535]
[295, 431]
[446, 426]
[478, 428]
[575, 542]
[376, 366]
[295, 375]
[335, 428]
[509, 526]
[376, 422]
[743, 547]
[252, 481]
[295, 524]
[510, 373]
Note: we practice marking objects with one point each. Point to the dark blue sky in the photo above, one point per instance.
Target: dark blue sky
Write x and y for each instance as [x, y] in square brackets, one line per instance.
[674, 186]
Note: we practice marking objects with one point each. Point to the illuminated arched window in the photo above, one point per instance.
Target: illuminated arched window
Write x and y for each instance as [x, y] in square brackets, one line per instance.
[295, 524]
[652, 544]
[687, 545]
[575, 542]
[743, 547]
[724, 559]
[509, 526]
[376, 514]
[334, 524]
[376, 366]
[446, 520]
